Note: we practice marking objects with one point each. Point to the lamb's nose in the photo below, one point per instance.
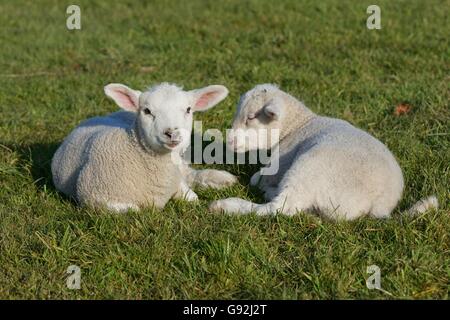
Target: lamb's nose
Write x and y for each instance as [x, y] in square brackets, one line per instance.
[169, 132]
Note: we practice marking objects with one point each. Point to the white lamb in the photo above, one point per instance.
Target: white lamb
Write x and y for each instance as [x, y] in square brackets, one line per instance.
[326, 165]
[132, 159]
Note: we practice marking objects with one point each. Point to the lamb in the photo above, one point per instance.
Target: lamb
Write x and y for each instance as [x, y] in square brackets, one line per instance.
[133, 158]
[326, 166]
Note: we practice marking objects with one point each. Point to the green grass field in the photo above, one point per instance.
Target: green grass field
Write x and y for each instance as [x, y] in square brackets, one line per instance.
[52, 78]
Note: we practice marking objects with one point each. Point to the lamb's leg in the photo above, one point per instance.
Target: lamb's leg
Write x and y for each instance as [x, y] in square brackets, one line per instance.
[206, 178]
[286, 202]
[210, 178]
[185, 193]
[241, 206]
[232, 205]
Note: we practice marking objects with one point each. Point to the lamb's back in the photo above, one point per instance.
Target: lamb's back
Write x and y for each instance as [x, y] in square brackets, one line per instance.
[335, 134]
[71, 154]
[347, 156]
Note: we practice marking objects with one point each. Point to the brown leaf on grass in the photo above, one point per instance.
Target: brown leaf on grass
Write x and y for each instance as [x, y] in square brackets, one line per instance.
[402, 109]
[147, 69]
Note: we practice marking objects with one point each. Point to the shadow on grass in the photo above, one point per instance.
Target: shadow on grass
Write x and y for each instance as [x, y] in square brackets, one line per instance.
[35, 160]
[38, 156]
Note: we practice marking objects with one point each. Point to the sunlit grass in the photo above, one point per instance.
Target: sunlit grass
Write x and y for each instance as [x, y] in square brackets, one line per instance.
[321, 52]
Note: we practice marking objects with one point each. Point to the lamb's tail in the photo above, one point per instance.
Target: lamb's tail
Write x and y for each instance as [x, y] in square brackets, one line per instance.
[423, 205]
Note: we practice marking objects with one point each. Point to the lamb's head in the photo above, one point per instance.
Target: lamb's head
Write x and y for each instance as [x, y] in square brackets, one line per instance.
[164, 112]
[258, 119]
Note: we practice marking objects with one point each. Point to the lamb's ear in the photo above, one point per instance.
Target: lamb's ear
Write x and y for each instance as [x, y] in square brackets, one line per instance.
[208, 97]
[124, 97]
[273, 110]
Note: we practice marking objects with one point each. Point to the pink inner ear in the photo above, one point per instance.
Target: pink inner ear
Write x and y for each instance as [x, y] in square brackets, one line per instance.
[205, 99]
[123, 99]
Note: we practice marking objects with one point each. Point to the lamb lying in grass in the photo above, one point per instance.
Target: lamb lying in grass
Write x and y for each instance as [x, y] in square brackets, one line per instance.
[325, 165]
[131, 159]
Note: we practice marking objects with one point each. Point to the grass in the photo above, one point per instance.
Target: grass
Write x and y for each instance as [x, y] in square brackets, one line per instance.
[322, 52]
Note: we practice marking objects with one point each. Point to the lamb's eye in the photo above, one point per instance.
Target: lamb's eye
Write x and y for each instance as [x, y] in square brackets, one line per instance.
[188, 110]
[147, 111]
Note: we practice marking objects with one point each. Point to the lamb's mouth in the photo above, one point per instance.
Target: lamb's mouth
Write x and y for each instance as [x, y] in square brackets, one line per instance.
[168, 144]
[172, 144]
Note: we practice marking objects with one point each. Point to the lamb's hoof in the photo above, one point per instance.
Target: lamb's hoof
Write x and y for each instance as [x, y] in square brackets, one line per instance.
[229, 206]
[228, 179]
[221, 179]
[216, 206]
[190, 196]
